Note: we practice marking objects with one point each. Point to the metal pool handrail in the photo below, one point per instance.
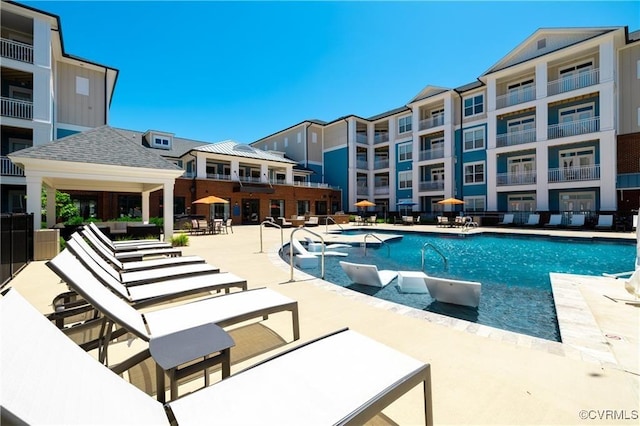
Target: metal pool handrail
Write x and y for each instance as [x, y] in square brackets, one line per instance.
[437, 250]
[302, 228]
[326, 224]
[275, 225]
[381, 242]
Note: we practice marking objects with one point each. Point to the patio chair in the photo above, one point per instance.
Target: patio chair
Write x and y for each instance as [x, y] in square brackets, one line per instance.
[139, 276]
[58, 386]
[443, 221]
[180, 320]
[196, 228]
[313, 221]
[507, 219]
[533, 220]
[605, 221]
[364, 274]
[125, 244]
[577, 221]
[284, 223]
[133, 254]
[555, 220]
[109, 256]
[372, 220]
[228, 226]
[457, 292]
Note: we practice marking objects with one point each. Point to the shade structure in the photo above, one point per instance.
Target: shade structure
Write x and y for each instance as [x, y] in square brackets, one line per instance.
[450, 201]
[211, 199]
[364, 203]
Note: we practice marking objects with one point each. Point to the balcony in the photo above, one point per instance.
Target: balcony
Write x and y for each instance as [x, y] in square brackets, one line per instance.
[7, 168]
[381, 137]
[313, 185]
[16, 108]
[15, 50]
[362, 190]
[431, 185]
[574, 174]
[431, 122]
[432, 154]
[516, 97]
[522, 178]
[381, 190]
[567, 84]
[381, 163]
[361, 138]
[516, 138]
[217, 176]
[362, 164]
[573, 128]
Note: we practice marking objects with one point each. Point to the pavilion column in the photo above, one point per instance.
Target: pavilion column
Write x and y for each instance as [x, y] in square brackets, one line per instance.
[51, 206]
[34, 202]
[145, 206]
[167, 210]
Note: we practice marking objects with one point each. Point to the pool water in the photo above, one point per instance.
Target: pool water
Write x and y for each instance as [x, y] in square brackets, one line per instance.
[513, 269]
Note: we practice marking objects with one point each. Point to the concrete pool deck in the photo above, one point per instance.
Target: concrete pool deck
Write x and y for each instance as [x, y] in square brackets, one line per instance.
[480, 375]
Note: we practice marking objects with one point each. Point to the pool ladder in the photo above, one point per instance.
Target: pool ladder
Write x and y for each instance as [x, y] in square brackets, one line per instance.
[437, 250]
[326, 224]
[381, 242]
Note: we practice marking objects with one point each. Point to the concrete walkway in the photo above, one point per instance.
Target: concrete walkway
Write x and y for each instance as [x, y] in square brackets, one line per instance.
[481, 375]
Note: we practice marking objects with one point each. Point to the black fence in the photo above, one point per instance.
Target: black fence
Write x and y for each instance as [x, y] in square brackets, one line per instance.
[16, 244]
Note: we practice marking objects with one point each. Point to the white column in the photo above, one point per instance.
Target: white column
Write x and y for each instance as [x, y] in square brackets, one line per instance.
[542, 178]
[264, 173]
[167, 210]
[201, 166]
[34, 202]
[235, 170]
[608, 176]
[42, 75]
[51, 206]
[541, 80]
[491, 171]
[145, 206]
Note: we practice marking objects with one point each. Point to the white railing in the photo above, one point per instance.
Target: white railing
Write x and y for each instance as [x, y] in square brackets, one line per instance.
[16, 108]
[516, 97]
[572, 128]
[380, 190]
[574, 82]
[516, 138]
[312, 184]
[431, 185]
[15, 50]
[380, 137]
[7, 168]
[361, 138]
[217, 176]
[523, 178]
[362, 164]
[431, 122]
[431, 154]
[574, 174]
[381, 164]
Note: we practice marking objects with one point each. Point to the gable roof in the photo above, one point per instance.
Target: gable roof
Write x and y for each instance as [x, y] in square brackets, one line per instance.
[102, 145]
[547, 40]
[427, 92]
[237, 149]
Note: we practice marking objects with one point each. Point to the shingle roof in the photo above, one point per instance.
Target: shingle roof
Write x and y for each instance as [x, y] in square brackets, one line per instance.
[102, 145]
[237, 149]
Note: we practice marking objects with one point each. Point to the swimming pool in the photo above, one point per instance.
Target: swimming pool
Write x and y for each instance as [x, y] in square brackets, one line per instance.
[513, 269]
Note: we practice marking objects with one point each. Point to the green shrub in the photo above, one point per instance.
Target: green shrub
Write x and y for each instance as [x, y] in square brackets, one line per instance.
[180, 240]
[62, 243]
[158, 221]
[74, 220]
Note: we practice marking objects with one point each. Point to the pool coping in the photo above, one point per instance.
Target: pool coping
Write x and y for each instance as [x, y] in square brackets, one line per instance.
[582, 338]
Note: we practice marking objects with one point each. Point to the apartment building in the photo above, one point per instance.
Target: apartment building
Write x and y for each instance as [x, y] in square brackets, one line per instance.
[46, 93]
[552, 126]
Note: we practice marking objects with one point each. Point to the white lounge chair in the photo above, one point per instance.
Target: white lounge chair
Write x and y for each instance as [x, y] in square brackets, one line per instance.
[605, 221]
[317, 246]
[299, 249]
[47, 379]
[577, 221]
[125, 244]
[533, 220]
[365, 274]
[313, 221]
[507, 219]
[133, 253]
[466, 293]
[555, 220]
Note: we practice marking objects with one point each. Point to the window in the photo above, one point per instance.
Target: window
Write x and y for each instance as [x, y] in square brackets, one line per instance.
[82, 86]
[638, 70]
[405, 152]
[405, 180]
[314, 137]
[299, 136]
[275, 145]
[303, 206]
[404, 124]
[474, 204]
[577, 201]
[522, 202]
[473, 173]
[474, 139]
[577, 76]
[473, 105]
[437, 116]
[161, 142]
[542, 43]
[286, 142]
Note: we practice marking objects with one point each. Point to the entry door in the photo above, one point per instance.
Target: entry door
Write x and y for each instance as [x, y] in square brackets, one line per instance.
[250, 211]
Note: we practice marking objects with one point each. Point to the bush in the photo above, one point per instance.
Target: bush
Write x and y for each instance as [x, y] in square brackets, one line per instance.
[158, 221]
[74, 220]
[180, 240]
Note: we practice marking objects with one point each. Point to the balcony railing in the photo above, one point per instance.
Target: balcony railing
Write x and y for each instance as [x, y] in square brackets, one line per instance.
[381, 163]
[217, 176]
[362, 164]
[312, 184]
[574, 82]
[431, 154]
[523, 178]
[380, 190]
[361, 138]
[7, 168]
[16, 108]
[431, 185]
[573, 128]
[381, 137]
[431, 122]
[15, 50]
[516, 138]
[516, 97]
[362, 190]
[574, 174]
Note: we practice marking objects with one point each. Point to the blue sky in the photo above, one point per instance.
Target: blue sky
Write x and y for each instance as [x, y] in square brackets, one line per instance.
[212, 71]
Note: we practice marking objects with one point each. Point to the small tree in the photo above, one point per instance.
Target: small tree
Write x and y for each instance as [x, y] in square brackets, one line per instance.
[65, 209]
